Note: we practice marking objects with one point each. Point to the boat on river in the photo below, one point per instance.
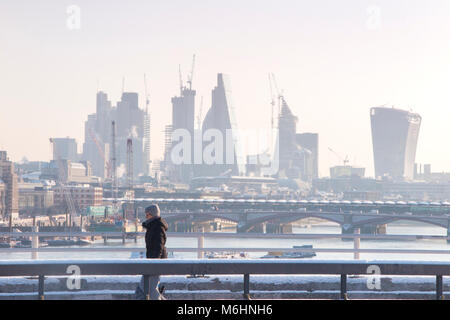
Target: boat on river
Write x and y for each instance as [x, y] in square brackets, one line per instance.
[226, 255]
[68, 242]
[291, 254]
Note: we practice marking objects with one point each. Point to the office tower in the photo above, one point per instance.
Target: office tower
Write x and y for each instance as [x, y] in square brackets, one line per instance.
[65, 149]
[287, 124]
[146, 141]
[131, 123]
[183, 117]
[10, 207]
[97, 133]
[297, 152]
[221, 119]
[310, 141]
[166, 165]
[394, 136]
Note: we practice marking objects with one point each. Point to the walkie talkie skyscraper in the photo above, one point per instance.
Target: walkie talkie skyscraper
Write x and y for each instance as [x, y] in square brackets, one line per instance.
[394, 136]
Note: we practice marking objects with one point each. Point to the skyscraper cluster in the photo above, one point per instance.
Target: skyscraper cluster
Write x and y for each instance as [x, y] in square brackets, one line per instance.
[213, 149]
[131, 122]
[216, 147]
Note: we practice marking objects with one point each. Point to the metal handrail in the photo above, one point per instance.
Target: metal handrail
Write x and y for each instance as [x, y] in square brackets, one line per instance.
[231, 235]
[226, 249]
[356, 250]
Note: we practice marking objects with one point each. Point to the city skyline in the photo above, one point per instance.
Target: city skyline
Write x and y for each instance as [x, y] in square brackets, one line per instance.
[333, 62]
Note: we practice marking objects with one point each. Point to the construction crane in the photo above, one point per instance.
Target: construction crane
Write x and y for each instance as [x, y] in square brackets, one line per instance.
[181, 80]
[130, 192]
[114, 185]
[147, 129]
[272, 102]
[199, 116]
[280, 95]
[130, 163]
[147, 99]
[66, 193]
[191, 75]
[345, 161]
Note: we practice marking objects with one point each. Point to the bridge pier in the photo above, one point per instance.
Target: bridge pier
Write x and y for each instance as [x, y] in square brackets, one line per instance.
[448, 234]
[381, 229]
[260, 228]
[216, 226]
[369, 229]
[191, 226]
[348, 228]
[180, 226]
[279, 228]
[202, 226]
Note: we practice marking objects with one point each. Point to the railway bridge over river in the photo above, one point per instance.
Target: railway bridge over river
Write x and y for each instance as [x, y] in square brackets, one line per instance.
[247, 221]
[256, 215]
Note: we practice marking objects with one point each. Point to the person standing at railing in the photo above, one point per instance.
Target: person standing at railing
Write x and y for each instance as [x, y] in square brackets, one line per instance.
[155, 242]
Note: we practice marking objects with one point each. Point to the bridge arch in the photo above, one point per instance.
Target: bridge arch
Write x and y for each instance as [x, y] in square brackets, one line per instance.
[384, 220]
[198, 217]
[285, 216]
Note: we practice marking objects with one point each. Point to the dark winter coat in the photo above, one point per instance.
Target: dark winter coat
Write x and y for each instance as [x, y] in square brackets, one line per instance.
[155, 237]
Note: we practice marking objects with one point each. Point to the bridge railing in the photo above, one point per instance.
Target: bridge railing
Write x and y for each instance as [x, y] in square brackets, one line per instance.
[149, 267]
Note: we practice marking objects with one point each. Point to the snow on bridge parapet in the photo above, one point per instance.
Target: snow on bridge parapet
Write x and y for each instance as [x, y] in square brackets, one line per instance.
[234, 273]
[228, 287]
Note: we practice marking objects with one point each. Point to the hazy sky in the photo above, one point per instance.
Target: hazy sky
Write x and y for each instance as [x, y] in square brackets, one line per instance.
[333, 59]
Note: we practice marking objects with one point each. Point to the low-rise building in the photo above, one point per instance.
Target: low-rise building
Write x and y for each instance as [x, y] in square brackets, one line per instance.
[2, 198]
[82, 196]
[69, 172]
[9, 178]
[34, 200]
[346, 171]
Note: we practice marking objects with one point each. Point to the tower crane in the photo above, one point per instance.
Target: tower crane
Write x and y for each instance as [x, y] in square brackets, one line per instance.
[191, 75]
[181, 79]
[147, 99]
[130, 192]
[147, 126]
[199, 116]
[272, 101]
[114, 185]
[345, 161]
[280, 96]
[130, 163]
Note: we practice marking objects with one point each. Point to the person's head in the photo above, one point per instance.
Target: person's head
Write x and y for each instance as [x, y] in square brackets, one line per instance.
[152, 211]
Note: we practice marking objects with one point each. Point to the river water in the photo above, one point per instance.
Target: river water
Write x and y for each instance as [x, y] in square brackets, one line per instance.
[394, 228]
